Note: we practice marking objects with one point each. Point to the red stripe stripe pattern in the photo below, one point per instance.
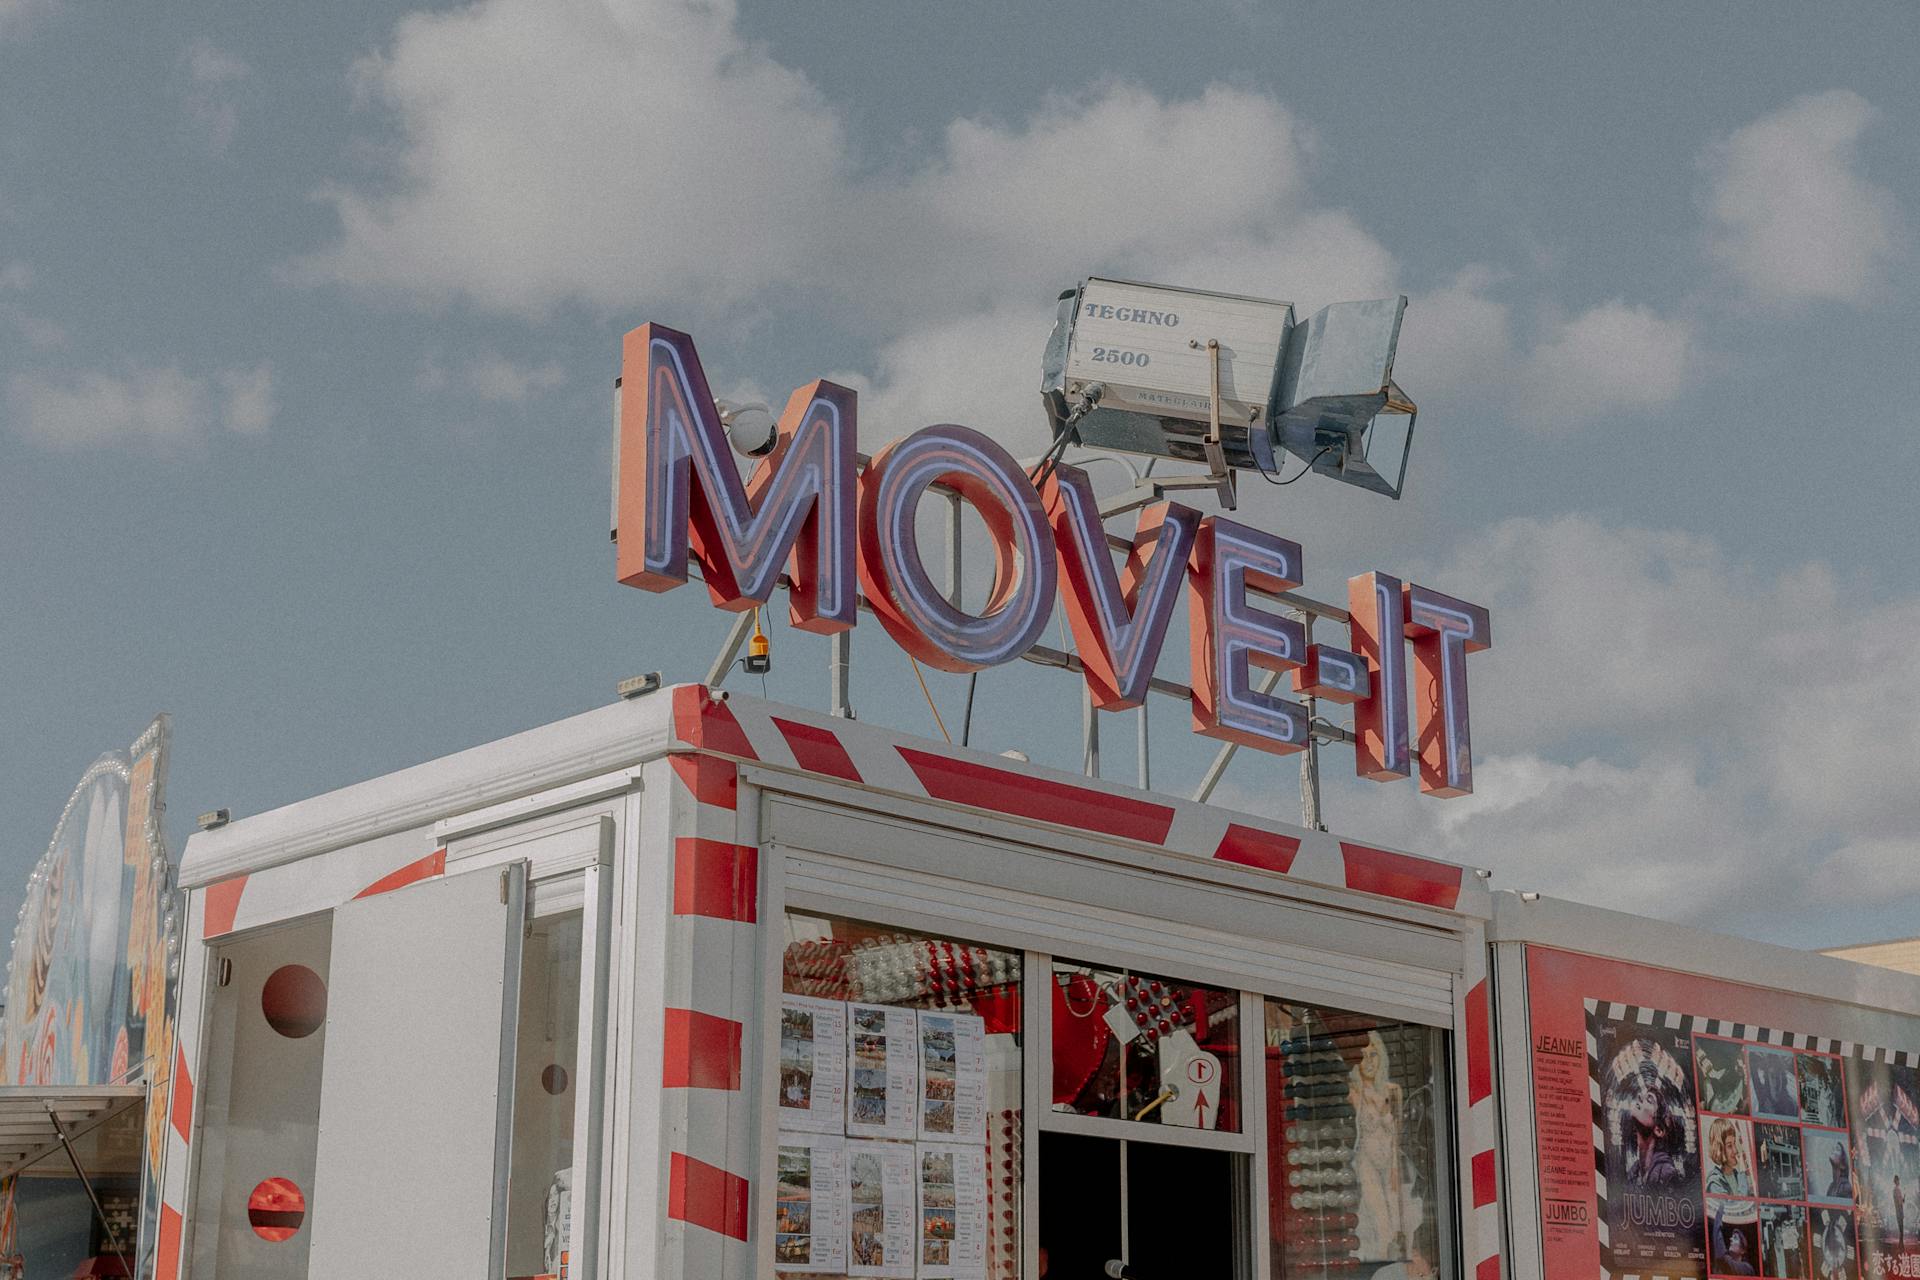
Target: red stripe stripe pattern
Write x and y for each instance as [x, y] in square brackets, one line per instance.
[223, 904]
[1479, 1046]
[1400, 875]
[983, 786]
[707, 724]
[1252, 847]
[715, 878]
[434, 864]
[714, 782]
[817, 750]
[1485, 1184]
[704, 1196]
[180, 1115]
[702, 1051]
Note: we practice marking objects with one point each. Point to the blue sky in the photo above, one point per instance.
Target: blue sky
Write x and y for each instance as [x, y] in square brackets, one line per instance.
[308, 320]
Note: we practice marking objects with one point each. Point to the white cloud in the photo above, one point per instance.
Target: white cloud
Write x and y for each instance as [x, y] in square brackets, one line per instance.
[1612, 357]
[250, 405]
[547, 154]
[933, 375]
[1555, 374]
[16, 16]
[213, 79]
[551, 151]
[154, 407]
[491, 376]
[1661, 725]
[1790, 209]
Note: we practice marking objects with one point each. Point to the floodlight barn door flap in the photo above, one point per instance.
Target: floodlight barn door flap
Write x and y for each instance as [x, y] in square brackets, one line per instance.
[411, 1173]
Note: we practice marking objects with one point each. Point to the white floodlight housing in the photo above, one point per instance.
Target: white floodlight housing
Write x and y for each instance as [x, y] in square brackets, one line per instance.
[1129, 367]
[751, 428]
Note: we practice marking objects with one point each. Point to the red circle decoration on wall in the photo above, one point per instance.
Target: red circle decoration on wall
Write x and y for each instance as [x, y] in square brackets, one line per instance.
[276, 1209]
[294, 1001]
[554, 1079]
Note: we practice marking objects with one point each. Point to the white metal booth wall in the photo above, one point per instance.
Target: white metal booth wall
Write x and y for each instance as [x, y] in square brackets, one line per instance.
[680, 862]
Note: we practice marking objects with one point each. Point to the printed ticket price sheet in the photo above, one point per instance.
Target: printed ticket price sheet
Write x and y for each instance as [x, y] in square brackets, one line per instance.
[882, 1071]
[1709, 1133]
[813, 1064]
[880, 1190]
[883, 1142]
[810, 1205]
[953, 1212]
[953, 1077]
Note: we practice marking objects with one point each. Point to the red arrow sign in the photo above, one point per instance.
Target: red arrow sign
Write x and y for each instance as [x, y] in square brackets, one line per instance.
[1200, 1108]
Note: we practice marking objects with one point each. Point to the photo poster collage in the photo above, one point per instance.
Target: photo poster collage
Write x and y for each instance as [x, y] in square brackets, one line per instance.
[1730, 1150]
[883, 1142]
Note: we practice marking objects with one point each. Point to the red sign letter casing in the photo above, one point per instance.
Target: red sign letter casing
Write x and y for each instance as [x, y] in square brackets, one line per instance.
[1376, 622]
[679, 485]
[915, 612]
[1230, 636]
[1119, 620]
[1444, 632]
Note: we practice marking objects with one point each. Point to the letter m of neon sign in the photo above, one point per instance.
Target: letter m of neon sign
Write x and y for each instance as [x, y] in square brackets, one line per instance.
[680, 491]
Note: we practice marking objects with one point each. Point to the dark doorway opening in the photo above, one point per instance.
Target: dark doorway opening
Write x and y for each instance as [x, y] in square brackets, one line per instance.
[1179, 1205]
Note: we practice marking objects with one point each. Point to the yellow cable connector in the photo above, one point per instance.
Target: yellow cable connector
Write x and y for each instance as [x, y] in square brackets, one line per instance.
[759, 649]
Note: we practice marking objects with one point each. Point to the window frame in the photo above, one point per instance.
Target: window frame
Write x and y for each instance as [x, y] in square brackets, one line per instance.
[1073, 873]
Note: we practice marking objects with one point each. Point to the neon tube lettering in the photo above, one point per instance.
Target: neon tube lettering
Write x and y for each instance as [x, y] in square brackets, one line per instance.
[894, 577]
[1376, 625]
[1230, 637]
[1119, 620]
[1444, 631]
[679, 487]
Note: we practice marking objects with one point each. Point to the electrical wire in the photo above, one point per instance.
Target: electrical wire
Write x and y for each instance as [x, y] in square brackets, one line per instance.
[1281, 484]
[928, 694]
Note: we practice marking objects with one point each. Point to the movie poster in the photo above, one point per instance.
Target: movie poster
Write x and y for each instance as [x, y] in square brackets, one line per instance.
[1884, 1101]
[1652, 1148]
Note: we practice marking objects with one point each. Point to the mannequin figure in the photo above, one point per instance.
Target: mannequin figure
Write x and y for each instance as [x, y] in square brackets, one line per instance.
[1376, 1099]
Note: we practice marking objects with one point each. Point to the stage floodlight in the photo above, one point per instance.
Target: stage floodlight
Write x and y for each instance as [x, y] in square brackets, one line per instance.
[1132, 367]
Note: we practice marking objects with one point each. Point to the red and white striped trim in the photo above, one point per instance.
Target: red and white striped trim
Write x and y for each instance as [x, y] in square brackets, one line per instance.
[712, 983]
[1481, 1133]
[846, 750]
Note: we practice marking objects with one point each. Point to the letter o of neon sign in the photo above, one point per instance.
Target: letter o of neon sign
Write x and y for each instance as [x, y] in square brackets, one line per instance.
[916, 612]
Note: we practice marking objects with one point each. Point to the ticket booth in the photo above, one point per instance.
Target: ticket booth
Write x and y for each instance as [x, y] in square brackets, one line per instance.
[693, 986]
[1680, 1103]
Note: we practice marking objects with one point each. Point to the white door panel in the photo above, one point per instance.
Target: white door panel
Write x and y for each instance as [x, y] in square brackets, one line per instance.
[411, 1173]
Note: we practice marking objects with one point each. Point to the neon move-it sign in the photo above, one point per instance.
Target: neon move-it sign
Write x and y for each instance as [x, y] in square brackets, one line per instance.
[841, 533]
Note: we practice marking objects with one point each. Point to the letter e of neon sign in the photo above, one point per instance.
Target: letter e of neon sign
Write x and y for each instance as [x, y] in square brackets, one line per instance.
[1230, 636]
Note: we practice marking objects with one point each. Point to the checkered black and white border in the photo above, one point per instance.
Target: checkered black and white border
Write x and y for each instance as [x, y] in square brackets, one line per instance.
[1693, 1024]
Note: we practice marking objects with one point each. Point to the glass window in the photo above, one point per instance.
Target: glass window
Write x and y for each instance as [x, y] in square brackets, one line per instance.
[540, 1177]
[899, 1102]
[1356, 1113]
[1144, 1047]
